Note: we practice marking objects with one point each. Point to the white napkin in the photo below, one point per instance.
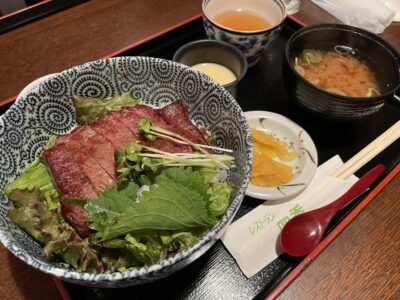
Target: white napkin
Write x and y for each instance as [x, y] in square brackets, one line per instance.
[371, 15]
[252, 239]
[393, 5]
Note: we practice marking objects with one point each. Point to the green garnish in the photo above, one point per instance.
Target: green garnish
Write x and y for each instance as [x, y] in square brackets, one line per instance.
[138, 158]
[89, 110]
[178, 200]
[144, 127]
[37, 176]
[49, 228]
[311, 56]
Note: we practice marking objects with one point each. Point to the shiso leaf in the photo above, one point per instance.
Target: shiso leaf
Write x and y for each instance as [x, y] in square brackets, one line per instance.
[168, 205]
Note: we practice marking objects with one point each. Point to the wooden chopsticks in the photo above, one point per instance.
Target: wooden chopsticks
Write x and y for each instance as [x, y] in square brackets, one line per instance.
[369, 152]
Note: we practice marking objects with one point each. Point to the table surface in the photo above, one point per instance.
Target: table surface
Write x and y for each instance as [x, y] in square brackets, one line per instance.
[362, 262]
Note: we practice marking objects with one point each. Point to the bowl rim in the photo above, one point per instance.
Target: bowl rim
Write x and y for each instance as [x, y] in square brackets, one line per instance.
[246, 32]
[69, 274]
[218, 43]
[354, 30]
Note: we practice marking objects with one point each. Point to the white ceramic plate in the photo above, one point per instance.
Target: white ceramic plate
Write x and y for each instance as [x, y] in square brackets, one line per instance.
[304, 166]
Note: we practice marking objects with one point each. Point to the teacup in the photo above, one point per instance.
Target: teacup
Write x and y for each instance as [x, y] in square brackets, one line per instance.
[250, 25]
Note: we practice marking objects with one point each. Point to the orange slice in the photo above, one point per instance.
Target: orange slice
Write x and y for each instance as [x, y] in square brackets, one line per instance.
[267, 169]
[279, 148]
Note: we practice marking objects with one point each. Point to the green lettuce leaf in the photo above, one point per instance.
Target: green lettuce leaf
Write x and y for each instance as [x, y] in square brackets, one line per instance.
[177, 202]
[88, 110]
[138, 250]
[50, 229]
[133, 251]
[179, 240]
[219, 198]
[36, 176]
[146, 249]
[207, 173]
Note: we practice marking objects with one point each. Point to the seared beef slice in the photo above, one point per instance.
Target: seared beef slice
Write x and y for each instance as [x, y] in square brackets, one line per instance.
[71, 183]
[83, 156]
[131, 117]
[177, 117]
[100, 149]
[113, 130]
[82, 163]
[67, 174]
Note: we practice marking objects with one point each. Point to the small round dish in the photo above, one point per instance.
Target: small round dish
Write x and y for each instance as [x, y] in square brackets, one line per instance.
[304, 166]
[214, 51]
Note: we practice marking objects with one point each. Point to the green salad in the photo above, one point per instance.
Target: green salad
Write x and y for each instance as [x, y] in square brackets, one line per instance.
[162, 203]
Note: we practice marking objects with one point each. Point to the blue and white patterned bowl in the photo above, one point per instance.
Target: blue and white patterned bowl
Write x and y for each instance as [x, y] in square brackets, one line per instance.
[251, 43]
[47, 109]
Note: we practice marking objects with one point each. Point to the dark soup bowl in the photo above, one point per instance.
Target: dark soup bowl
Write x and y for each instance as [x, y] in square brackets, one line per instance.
[369, 49]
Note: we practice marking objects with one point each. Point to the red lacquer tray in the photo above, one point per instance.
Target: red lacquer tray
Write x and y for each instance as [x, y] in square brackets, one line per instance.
[215, 275]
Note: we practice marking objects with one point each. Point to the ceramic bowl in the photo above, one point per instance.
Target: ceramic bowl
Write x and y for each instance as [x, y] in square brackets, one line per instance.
[213, 51]
[251, 43]
[383, 60]
[46, 108]
[298, 140]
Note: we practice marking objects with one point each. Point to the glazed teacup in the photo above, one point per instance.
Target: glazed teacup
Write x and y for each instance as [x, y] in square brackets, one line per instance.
[250, 25]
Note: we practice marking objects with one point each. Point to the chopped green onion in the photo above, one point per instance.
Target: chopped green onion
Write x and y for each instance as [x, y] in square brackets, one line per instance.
[311, 56]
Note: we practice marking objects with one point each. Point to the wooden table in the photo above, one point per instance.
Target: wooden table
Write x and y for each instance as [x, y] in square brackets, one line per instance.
[363, 262]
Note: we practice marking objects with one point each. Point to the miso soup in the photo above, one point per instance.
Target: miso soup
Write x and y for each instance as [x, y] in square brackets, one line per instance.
[337, 71]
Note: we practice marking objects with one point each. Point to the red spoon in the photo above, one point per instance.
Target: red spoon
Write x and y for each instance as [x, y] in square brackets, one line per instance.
[302, 233]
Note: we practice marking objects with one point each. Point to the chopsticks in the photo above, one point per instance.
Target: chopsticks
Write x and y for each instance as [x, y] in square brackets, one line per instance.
[369, 152]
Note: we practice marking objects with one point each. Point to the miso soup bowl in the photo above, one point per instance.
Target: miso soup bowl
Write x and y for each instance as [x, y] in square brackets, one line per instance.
[382, 59]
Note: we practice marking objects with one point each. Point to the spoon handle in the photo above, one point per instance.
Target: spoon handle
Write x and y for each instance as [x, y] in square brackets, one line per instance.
[360, 186]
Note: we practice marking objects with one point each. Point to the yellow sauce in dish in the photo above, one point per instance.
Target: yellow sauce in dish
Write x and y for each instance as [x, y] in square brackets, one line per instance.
[269, 157]
[219, 73]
